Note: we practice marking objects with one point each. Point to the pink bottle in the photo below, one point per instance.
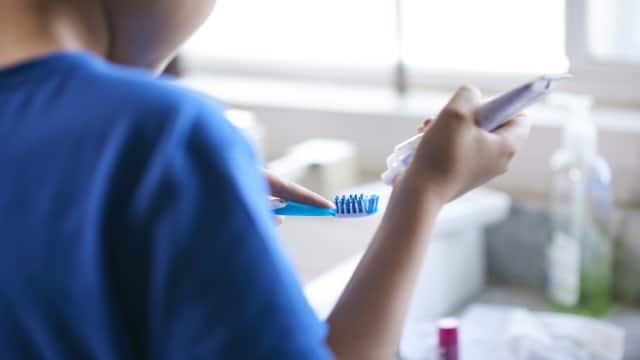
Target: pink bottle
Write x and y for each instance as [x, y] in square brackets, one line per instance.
[448, 339]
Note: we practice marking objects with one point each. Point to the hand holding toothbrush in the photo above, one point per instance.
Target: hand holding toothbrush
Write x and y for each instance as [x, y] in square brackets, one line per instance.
[289, 191]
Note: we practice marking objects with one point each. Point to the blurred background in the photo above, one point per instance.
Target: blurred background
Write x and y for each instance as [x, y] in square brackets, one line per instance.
[326, 89]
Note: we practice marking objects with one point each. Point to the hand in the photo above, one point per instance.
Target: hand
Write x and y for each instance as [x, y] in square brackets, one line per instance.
[287, 190]
[456, 156]
[424, 126]
[420, 130]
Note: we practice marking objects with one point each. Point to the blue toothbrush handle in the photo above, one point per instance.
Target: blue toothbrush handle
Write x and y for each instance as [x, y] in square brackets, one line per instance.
[293, 208]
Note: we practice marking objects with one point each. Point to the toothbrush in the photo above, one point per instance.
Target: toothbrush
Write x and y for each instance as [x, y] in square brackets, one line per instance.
[490, 116]
[346, 206]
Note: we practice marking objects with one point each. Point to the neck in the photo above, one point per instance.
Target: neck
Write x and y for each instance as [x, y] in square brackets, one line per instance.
[33, 28]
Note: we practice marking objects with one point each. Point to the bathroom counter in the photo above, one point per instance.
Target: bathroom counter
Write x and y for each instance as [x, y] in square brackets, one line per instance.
[624, 316]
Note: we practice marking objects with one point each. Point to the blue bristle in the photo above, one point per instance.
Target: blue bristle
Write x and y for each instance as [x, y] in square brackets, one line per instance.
[356, 204]
[372, 204]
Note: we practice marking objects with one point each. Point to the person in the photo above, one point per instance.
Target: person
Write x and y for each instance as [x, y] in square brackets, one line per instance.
[133, 218]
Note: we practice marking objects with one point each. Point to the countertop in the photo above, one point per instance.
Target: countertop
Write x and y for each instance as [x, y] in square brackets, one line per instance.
[624, 316]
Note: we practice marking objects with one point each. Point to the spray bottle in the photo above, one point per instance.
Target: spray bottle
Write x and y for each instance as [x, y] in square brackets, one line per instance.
[579, 251]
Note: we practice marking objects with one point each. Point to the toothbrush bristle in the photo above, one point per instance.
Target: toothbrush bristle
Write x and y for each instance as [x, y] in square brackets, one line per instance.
[356, 205]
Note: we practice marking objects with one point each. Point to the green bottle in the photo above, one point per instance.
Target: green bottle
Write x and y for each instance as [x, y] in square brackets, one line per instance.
[579, 252]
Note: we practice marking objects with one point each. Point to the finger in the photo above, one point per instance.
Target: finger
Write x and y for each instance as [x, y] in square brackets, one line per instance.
[399, 176]
[465, 100]
[287, 190]
[425, 125]
[278, 220]
[516, 130]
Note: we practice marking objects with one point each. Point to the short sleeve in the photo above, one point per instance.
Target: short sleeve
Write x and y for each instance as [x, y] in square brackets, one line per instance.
[219, 283]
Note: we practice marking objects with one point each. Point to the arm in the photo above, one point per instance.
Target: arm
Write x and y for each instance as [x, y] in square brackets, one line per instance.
[454, 157]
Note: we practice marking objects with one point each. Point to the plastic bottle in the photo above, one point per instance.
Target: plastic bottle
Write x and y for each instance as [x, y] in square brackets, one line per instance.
[579, 251]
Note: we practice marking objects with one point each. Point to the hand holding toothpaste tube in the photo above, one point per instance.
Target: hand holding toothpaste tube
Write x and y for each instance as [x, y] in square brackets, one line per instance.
[455, 155]
[493, 116]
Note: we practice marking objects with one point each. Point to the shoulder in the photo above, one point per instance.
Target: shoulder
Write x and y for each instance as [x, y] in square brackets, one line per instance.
[167, 138]
[154, 105]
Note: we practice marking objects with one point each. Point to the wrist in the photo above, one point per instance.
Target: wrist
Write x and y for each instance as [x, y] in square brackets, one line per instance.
[429, 191]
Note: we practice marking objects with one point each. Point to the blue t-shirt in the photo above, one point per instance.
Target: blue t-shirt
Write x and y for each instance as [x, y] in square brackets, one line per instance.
[134, 224]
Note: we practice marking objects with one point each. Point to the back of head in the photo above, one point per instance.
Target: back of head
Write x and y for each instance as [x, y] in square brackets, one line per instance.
[143, 33]
[147, 32]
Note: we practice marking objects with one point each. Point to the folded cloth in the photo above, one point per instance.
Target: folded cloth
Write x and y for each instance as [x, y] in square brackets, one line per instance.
[504, 332]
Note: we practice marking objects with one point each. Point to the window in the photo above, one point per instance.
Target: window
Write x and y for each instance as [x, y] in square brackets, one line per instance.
[443, 43]
[346, 32]
[602, 43]
[490, 36]
[614, 30]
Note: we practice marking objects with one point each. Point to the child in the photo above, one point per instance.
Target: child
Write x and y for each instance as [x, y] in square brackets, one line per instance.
[132, 215]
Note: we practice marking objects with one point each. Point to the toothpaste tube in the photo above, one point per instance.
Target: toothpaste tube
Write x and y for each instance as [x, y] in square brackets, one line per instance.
[489, 117]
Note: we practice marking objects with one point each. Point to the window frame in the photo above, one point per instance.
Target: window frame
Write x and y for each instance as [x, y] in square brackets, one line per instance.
[621, 82]
[610, 82]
